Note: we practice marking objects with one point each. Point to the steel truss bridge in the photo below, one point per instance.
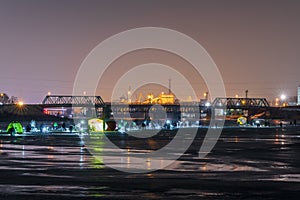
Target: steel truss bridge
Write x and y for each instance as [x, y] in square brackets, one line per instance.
[240, 103]
[191, 109]
[73, 101]
[240, 106]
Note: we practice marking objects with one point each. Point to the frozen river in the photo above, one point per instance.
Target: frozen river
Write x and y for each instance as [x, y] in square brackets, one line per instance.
[246, 163]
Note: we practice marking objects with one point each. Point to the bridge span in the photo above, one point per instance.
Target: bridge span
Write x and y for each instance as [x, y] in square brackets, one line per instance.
[72, 101]
[248, 106]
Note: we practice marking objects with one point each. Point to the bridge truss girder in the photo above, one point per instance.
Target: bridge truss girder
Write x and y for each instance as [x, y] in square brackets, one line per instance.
[240, 103]
[73, 101]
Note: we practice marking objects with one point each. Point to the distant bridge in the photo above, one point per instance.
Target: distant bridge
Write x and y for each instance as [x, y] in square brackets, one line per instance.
[97, 101]
[191, 109]
[73, 101]
[240, 103]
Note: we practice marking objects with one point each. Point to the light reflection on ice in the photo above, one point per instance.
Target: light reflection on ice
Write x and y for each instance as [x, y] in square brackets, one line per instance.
[43, 189]
[33, 156]
[211, 167]
[285, 178]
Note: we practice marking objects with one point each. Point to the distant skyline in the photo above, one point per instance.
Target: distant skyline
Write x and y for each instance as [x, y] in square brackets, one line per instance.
[255, 44]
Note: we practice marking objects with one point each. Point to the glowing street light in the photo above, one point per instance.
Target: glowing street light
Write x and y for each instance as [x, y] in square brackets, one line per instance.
[283, 100]
[283, 97]
[277, 101]
[205, 94]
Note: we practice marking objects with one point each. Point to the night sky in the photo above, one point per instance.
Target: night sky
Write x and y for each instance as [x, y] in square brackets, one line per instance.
[255, 44]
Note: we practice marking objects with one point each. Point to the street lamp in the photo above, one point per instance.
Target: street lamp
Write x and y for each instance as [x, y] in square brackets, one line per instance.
[20, 103]
[276, 101]
[282, 97]
[205, 94]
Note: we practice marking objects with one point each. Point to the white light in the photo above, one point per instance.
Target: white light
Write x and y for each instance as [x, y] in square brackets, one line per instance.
[207, 104]
[282, 97]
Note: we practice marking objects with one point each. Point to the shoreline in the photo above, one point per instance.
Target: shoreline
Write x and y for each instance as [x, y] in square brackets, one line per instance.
[157, 131]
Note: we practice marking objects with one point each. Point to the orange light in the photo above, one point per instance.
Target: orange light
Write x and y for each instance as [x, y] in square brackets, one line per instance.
[284, 104]
[20, 103]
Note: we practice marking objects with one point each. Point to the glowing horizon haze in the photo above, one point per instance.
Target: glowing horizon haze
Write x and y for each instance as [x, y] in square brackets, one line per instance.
[255, 44]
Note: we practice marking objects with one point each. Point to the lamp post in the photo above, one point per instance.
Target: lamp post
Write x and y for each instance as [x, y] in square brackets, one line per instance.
[205, 94]
[283, 98]
[277, 102]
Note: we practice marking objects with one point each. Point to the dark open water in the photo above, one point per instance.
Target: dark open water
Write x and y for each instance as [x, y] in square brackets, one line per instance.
[247, 163]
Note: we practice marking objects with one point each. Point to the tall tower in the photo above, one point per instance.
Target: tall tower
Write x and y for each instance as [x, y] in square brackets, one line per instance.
[246, 94]
[298, 102]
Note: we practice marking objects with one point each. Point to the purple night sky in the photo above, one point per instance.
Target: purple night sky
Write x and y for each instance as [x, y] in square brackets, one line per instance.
[255, 44]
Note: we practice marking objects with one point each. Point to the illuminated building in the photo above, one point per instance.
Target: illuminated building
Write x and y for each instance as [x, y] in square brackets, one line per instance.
[161, 99]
